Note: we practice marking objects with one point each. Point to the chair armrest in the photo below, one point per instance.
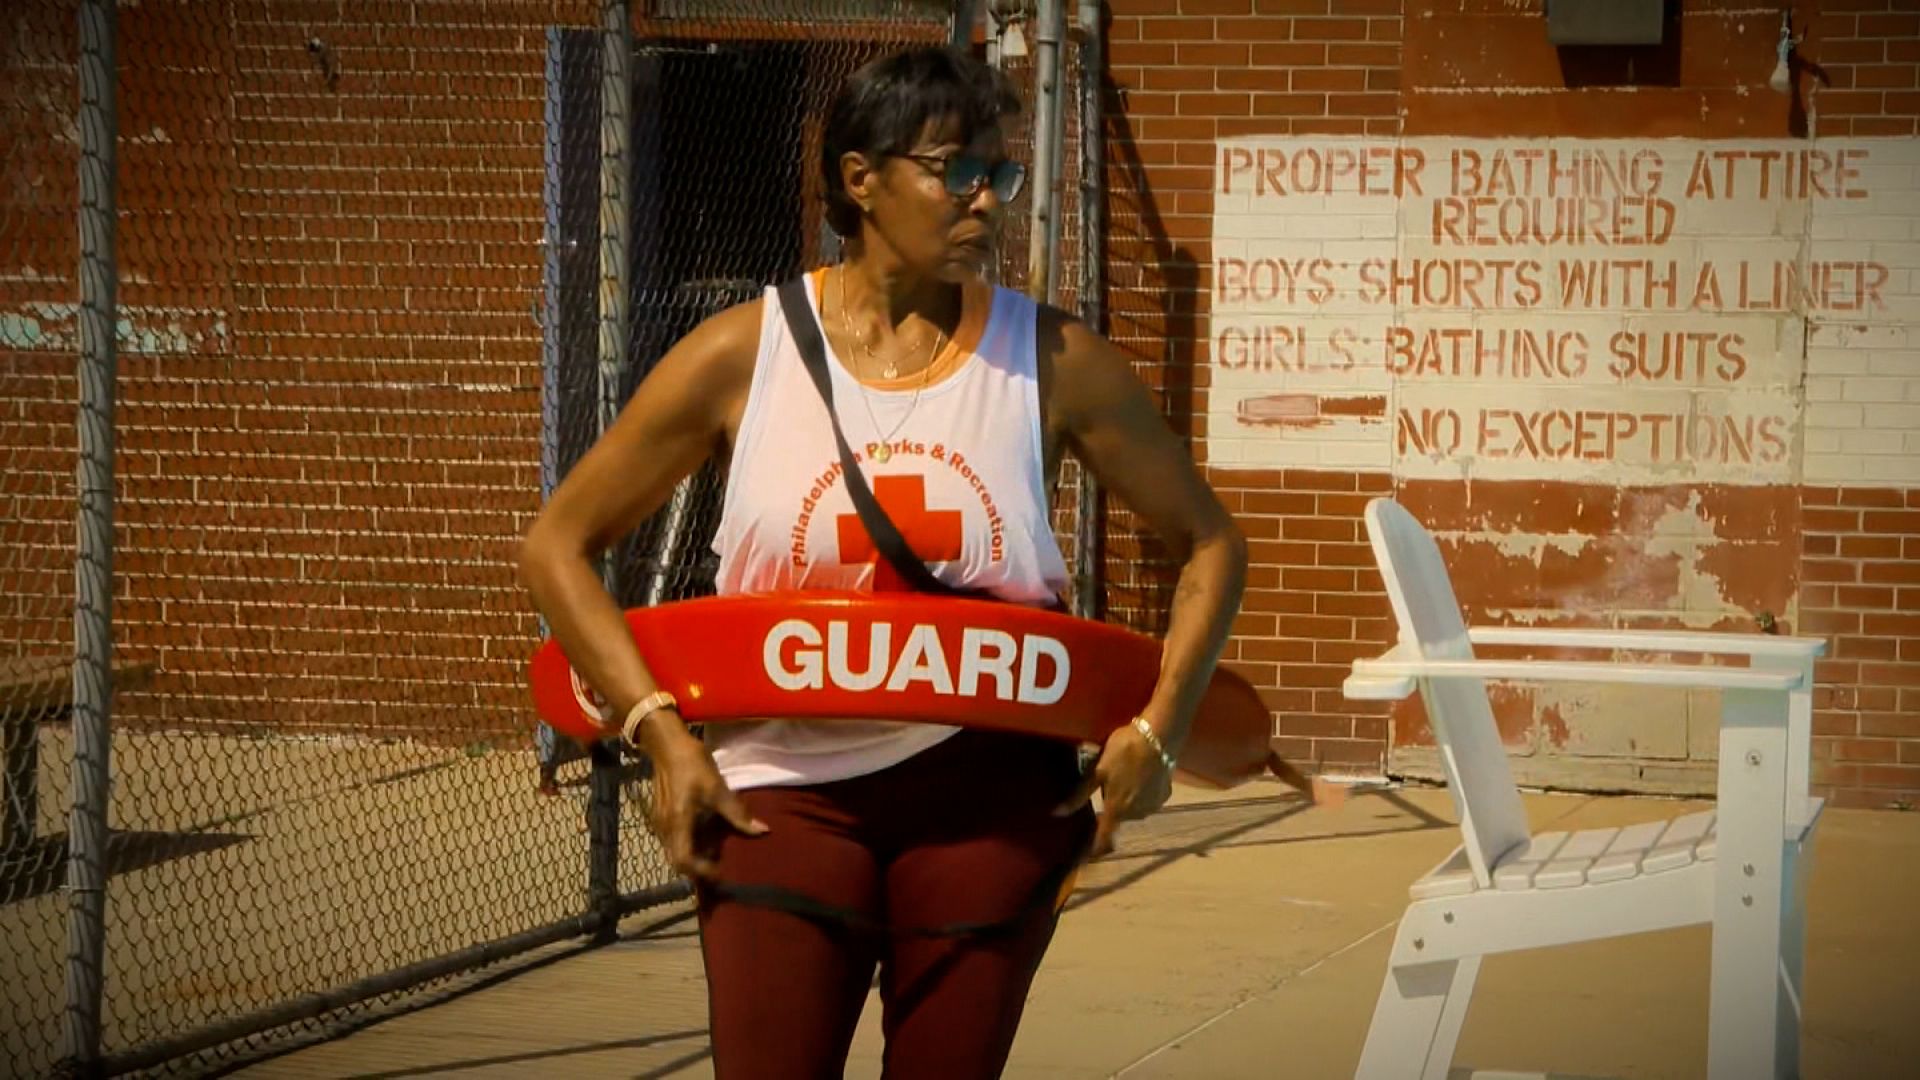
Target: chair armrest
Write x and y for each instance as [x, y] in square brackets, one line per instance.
[1380, 677]
[1688, 641]
[1379, 687]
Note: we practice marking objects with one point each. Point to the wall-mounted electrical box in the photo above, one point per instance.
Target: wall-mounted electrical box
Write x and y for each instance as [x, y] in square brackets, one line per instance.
[1605, 22]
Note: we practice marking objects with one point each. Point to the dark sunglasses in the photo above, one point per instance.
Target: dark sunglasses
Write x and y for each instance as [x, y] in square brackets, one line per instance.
[966, 174]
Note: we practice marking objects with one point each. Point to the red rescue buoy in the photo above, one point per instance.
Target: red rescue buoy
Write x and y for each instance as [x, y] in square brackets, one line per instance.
[905, 656]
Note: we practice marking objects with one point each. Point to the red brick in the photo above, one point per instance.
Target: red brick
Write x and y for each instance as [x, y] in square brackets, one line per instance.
[1176, 78]
[1294, 55]
[1216, 7]
[1363, 104]
[1327, 79]
[1833, 570]
[1905, 27]
[1885, 76]
[1258, 28]
[1289, 599]
[1304, 580]
[1827, 724]
[1325, 727]
[1882, 126]
[1202, 104]
[1212, 54]
[1891, 573]
[1905, 778]
[1309, 480]
[1865, 648]
[1823, 520]
[1332, 29]
[1143, 53]
[1850, 102]
[1903, 624]
[1865, 750]
[1874, 674]
[1322, 529]
[1363, 55]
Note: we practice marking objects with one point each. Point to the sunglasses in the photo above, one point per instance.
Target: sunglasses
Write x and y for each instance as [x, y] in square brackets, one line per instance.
[966, 174]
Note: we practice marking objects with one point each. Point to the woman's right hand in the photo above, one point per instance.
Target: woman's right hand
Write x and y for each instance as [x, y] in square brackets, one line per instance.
[693, 806]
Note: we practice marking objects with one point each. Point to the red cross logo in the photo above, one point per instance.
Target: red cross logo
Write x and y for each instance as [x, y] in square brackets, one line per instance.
[932, 535]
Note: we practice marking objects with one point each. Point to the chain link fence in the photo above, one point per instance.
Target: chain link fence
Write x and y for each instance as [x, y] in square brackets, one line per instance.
[357, 336]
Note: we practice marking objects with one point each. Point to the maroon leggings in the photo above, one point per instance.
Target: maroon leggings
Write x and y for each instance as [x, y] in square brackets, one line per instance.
[962, 833]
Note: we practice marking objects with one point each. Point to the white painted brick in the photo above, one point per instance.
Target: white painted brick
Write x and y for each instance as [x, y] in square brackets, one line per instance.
[1871, 390]
[1373, 455]
[1898, 364]
[1842, 251]
[1896, 254]
[1903, 470]
[1834, 468]
[1267, 452]
[1848, 381]
[1903, 416]
[1913, 442]
[1856, 336]
[1834, 362]
[1877, 227]
[1835, 416]
[1869, 441]
[1371, 226]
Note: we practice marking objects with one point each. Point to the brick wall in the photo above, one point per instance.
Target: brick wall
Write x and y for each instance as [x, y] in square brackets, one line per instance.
[1868, 52]
[1186, 74]
[329, 393]
[1645, 553]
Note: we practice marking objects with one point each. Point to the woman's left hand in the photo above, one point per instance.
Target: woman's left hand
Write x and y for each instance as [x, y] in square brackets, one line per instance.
[1132, 783]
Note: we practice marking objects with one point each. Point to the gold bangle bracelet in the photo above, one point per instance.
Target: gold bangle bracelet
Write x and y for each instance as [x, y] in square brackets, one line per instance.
[1153, 740]
[645, 707]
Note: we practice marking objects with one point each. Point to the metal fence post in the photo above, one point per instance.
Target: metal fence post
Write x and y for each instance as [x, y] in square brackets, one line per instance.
[1043, 239]
[93, 570]
[616, 112]
[1089, 559]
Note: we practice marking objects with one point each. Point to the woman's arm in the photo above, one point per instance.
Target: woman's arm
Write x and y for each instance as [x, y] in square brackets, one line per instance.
[681, 414]
[1100, 410]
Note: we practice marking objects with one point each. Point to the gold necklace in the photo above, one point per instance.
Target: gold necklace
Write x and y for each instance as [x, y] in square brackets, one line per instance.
[892, 369]
[883, 451]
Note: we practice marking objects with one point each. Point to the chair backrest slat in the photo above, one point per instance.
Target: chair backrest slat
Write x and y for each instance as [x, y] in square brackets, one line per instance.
[1492, 818]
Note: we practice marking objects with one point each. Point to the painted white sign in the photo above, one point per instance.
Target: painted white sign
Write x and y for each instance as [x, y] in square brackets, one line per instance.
[1573, 309]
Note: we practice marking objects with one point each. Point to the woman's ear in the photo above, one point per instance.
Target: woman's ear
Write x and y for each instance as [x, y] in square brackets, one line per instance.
[860, 177]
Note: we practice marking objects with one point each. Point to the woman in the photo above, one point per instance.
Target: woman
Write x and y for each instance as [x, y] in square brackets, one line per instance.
[962, 398]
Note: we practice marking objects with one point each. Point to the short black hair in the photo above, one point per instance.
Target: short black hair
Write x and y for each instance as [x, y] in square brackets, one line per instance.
[886, 105]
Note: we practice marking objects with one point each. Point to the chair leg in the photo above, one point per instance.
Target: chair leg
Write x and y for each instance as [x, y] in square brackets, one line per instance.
[1793, 946]
[1452, 1015]
[1417, 1019]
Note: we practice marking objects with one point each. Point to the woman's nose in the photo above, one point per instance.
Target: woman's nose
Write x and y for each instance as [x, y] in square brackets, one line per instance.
[985, 203]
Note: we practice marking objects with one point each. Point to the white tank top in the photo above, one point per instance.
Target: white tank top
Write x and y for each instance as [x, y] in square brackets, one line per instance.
[963, 479]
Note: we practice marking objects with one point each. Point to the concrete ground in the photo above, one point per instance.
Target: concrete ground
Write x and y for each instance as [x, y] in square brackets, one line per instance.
[1241, 934]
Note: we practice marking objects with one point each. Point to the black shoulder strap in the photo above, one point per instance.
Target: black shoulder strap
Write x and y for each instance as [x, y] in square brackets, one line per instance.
[886, 536]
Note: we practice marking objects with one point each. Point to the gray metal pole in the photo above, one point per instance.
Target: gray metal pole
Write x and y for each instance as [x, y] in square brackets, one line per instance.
[93, 571]
[1050, 25]
[960, 36]
[616, 197]
[1089, 558]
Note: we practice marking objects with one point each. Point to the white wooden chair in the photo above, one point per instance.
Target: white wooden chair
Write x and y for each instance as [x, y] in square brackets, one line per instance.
[1739, 866]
